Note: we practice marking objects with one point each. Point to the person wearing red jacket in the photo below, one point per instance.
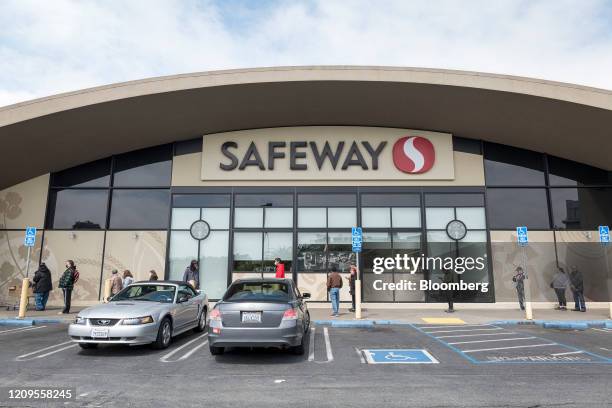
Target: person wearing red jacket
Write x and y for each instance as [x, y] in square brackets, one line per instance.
[280, 268]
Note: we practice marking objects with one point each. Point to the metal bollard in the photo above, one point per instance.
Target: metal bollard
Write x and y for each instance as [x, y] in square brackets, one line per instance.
[23, 302]
[107, 290]
[358, 299]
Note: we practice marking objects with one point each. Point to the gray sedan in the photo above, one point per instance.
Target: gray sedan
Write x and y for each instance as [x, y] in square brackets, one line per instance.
[260, 313]
[144, 312]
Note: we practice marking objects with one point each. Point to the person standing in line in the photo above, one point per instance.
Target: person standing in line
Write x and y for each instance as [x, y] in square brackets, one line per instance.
[352, 278]
[280, 268]
[519, 284]
[448, 278]
[128, 279]
[559, 284]
[67, 281]
[153, 275]
[42, 286]
[116, 282]
[577, 287]
[192, 274]
[334, 283]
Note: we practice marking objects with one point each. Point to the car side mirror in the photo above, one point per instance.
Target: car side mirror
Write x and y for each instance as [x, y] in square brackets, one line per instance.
[305, 295]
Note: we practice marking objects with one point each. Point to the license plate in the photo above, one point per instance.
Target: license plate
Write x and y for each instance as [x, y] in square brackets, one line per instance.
[251, 317]
[99, 333]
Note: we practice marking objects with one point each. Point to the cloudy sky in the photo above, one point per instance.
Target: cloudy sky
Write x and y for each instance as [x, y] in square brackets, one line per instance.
[47, 47]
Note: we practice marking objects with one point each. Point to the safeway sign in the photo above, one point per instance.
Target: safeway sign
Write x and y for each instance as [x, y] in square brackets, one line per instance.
[328, 153]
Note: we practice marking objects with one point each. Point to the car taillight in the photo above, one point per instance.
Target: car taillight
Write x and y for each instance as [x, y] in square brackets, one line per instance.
[215, 315]
[290, 314]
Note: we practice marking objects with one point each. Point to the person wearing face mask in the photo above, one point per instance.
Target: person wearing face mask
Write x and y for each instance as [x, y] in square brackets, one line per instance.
[66, 283]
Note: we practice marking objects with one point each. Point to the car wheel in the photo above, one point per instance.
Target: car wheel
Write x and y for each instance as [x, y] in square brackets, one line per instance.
[201, 322]
[87, 346]
[164, 334]
[307, 323]
[216, 351]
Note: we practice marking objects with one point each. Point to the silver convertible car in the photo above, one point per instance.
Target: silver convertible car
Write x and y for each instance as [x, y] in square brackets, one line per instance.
[260, 313]
[144, 312]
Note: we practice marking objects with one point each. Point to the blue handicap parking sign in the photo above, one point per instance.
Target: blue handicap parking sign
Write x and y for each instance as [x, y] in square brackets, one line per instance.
[604, 234]
[356, 238]
[521, 234]
[30, 236]
[399, 356]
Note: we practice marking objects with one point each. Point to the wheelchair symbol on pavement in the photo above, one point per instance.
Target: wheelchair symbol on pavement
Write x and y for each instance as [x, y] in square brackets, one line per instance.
[398, 357]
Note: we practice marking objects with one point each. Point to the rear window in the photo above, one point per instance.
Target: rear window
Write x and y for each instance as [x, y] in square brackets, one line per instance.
[257, 292]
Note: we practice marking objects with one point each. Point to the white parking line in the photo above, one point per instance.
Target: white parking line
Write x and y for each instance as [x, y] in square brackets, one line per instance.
[462, 330]
[475, 335]
[23, 357]
[164, 358]
[513, 347]
[330, 356]
[569, 352]
[311, 345]
[490, 340]
[360, 354]
[21, 329]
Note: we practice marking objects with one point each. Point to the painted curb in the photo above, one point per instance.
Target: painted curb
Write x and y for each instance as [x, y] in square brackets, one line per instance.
[31, 322]
[16, 322]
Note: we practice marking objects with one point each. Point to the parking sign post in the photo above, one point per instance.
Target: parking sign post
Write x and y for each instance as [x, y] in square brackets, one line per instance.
[523, 241]
[29, 241]
[357, 239]
[604, 239]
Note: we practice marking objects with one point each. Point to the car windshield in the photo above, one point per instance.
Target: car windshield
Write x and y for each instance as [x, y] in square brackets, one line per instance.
[257, 292]
[147, 293]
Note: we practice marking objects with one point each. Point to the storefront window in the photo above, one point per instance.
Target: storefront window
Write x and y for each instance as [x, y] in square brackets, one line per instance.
[94, 174]
[278, 218]
[140, 209]
[247, 252]
[217, 218]
[513, 207]
[77, 209]
[278, 245]
[510, 166]
[311, 252]
[248, 217]
[312, 217]
[213, 264]
[406, 217]
[341, 217]
[376, 217]
[581, 208]
[148, 167]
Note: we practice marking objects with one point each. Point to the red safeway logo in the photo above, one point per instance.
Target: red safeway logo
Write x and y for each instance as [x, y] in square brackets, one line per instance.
[414, 154]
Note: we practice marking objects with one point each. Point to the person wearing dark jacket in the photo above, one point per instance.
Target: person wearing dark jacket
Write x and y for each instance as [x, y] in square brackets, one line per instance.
[352, 278]
[42, 286]
[334, 284]
[192, 274]
[577, 287]
[448, 278]
[66, 283]
[519, 283]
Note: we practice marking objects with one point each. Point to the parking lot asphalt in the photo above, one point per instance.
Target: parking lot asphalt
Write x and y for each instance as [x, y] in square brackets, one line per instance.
[333, 372]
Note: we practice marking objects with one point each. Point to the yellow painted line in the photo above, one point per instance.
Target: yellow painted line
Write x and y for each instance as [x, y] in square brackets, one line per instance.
[443, 320]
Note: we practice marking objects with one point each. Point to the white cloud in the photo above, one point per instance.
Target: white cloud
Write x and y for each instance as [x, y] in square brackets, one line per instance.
[51, 47]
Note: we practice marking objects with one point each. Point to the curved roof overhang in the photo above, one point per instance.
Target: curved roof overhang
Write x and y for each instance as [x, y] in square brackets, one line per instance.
[65, 130]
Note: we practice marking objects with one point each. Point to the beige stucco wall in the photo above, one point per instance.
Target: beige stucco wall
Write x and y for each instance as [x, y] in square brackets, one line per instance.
[469, 171]
[138, 251]
[13, 259]
[24, 204]
[85, 249]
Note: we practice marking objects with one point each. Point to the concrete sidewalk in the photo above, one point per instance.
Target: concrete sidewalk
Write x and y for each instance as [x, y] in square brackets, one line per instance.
[469, 316]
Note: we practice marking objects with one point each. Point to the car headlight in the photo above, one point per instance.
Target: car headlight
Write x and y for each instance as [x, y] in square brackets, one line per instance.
[80, 320]
[138, 320]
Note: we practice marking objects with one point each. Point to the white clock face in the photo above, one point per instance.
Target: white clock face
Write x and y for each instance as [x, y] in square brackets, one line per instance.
[199, 230]
[456, 230]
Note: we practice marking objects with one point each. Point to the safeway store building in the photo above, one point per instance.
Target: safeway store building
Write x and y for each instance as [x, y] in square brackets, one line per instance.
[235, 168]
